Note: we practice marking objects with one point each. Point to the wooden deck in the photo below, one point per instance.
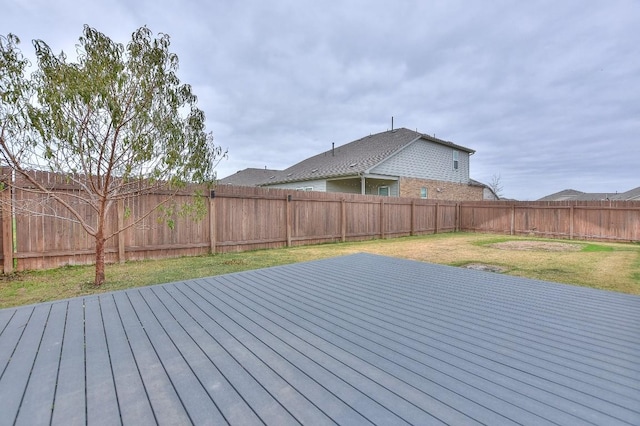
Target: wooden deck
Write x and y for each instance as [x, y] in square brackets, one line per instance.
[352, 340]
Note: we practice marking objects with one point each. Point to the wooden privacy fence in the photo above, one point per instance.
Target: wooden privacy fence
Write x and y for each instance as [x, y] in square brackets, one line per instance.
[251, 218]
[583, 220]
[246, 218]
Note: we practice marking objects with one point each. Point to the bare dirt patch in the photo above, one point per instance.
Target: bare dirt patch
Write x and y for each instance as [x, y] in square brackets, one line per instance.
[485, 267]
[536, 246]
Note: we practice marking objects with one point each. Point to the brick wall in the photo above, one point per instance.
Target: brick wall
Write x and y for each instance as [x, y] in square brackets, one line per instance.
[411, 187]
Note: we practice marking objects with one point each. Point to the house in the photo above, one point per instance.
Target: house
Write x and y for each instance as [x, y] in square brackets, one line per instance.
[573, 195]
[399, 162]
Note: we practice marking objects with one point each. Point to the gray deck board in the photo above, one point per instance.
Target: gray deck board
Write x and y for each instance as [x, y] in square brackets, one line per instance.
[240, 396]
[359, 339]
[133, 401]
[5, 317]
[165, 402]
[70, 397]
[102, 400]
[226, 400]
[18, 371]
[197, 402]
[11, 335]
[39, 394]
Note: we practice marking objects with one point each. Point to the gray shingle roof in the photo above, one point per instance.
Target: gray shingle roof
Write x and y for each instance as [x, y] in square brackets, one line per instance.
[355, 157]
[566, 194]
[249, 177]
[633, 194]
[573, 195]
[358, 339]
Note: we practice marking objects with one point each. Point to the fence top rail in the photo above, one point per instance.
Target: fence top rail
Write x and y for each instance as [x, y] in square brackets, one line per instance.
[252, 197]
[293, 195]
[607, 208]
[547, 207]
[568, 203]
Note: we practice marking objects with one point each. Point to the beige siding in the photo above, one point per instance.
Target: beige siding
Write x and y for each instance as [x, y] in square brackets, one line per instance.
[426, 160]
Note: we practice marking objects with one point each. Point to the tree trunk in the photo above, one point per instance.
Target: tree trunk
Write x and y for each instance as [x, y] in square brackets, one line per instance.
[100, 240]
[100, 277]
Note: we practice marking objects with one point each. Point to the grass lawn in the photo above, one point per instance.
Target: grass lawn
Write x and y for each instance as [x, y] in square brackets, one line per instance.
[609, 266]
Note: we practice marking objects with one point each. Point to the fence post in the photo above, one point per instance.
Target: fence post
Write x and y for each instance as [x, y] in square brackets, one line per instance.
[7, 230]
[571, 222]
[513, 219]
[343, 219]
[288, 219]
[121, 249]
[435, 231]
[413, 216]
[382, 218]
[457, 217]
[212, 222]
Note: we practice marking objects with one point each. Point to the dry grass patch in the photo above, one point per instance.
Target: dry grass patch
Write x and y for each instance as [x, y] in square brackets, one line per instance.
[537, 246]
[609, 266]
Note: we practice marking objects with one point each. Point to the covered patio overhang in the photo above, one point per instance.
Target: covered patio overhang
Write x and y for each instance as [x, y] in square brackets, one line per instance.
[364, 183]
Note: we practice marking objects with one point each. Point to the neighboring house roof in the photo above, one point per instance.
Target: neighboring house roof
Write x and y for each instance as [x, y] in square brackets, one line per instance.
[473, 182]
[567, 194]
[573, 195]
[348, 340]
[633, 194]
[249, 177]
[356, 157]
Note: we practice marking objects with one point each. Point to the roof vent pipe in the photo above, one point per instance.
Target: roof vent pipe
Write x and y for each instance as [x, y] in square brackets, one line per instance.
[392, 123]
[333, 149]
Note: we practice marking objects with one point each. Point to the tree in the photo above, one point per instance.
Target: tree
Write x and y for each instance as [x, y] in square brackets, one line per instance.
[117, 123]
[496, 185]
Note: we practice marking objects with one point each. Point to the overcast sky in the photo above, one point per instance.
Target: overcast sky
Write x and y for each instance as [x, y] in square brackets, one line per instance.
[546, 92]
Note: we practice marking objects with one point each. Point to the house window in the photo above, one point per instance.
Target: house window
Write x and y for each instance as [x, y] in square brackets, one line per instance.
[306, 188]
[383, 190]
[423, 192]
[455, 160]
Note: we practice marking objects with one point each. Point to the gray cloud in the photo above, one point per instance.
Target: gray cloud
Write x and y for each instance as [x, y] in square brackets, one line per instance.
[544, 91]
